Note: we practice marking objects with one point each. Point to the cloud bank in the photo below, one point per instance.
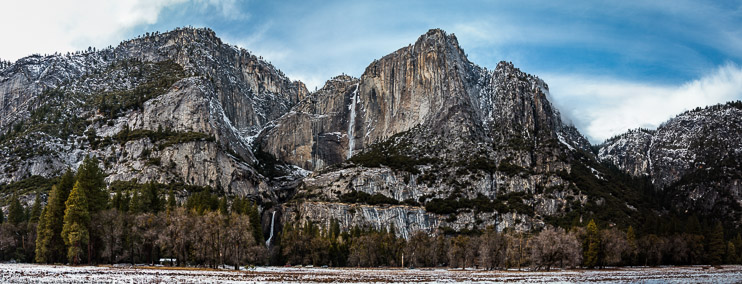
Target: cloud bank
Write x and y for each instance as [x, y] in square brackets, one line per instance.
[46, 27]
[604, 107]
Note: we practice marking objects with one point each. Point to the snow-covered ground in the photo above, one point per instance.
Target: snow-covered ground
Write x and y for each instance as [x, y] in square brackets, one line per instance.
[33, 273]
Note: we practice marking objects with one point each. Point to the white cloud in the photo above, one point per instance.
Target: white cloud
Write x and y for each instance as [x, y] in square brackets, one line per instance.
[60, 26]
[604, 107]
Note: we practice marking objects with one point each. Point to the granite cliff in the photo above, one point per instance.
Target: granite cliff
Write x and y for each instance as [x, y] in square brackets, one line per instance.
[424, 139]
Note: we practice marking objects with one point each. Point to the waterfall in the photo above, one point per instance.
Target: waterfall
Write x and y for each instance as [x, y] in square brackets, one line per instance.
[352, 122]
[273, 218]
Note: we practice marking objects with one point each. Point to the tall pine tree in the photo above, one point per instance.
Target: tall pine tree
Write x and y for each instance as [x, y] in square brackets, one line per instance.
[76, 222]
[633, 247]
[15, 211]
[254, 215]
[90, 178]
[716, 245]
[593, 245]
[36, 209]
[49, 243]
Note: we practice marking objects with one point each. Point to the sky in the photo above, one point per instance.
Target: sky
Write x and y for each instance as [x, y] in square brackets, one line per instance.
[610, 65]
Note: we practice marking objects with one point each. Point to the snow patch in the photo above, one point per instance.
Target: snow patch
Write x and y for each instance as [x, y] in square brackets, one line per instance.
[564, 141]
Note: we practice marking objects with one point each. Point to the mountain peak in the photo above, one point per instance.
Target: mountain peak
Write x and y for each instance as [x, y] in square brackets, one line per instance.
[182, 35]
[438, 37]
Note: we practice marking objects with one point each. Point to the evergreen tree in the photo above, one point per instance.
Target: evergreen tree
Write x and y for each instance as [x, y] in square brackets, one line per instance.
[223, 207]
[716, 245]
[737, 241]
[76, 222]
[120, 201]
[41, 253]
[26, 213]
[633, 247]
[49, 242]
[171, 203]
[150, 199]
[36, 209]
[66, 182]
[593, 245]
[693, 226]
[135, 206]
[731, 255]
[90, 179]
[15, 211]
[257, 229]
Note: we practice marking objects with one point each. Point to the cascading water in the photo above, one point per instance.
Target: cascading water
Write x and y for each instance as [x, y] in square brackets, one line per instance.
[352, 122]
[273, 218]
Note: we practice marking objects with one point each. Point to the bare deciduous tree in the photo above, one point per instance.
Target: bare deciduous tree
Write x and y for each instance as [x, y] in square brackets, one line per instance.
[555, 248]
[492, 249]
[614, 245]
[420, 250]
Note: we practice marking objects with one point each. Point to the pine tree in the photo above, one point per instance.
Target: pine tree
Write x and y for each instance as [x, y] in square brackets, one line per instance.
[150, 199]
[716, 245]
[15, 211]
[737, 244]
[633, 248]
[41, 253]
[90, 177]
[731, 254]
[76, 222]
[36, 209]
[117, 200]
[171, 203]
[257, 230]
[135, 206]
[593, 245]
[49, 242]
[223, 207]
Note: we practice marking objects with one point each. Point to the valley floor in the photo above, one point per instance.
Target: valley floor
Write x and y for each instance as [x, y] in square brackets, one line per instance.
[33, 273]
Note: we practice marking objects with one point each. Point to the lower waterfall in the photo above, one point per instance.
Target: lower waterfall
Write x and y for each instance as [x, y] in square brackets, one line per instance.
[268, 242]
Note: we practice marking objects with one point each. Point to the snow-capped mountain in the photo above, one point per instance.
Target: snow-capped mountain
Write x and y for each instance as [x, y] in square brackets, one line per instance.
[693, 158]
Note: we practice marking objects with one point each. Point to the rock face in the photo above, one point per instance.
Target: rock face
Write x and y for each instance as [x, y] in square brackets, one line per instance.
[174, 107]
[315, 133]
[424, 126]
[694, 158]
[430, 83]
[629, 152]
[423, 140]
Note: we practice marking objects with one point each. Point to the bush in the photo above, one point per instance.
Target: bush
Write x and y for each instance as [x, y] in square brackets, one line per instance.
[362, 197]
[158, 78]
[395, 153]
[504, 203]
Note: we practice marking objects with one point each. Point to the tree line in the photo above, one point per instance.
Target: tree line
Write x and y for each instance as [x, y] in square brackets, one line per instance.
[141, 223]
[552, 247]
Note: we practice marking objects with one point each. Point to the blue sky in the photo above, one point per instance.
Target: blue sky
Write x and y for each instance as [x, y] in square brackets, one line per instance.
[610, 65]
